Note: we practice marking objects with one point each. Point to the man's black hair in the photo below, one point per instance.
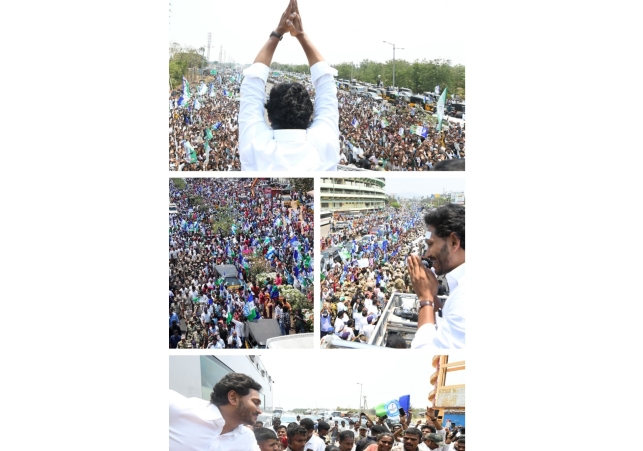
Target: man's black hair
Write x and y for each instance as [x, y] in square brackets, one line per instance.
[384, 434]
[345, 434]
[446, 220]
[238, 382]
[331, 448]
[264, 434]
[307, 423]
[289, 106]
[297, 430]
[414, 431]
[395, 341]
[455, 164]
[460, 439]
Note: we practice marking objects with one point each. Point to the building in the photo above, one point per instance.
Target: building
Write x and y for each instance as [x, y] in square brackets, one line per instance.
[352, 194]
[457, 198]
[195, 375]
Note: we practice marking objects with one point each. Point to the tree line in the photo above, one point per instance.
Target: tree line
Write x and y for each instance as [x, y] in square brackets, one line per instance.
[419, 76]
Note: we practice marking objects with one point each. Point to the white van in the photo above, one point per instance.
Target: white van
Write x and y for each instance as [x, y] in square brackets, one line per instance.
[356, 89]
[173, 209]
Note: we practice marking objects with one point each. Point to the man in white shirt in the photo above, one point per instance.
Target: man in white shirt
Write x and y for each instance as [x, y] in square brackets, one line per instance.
[218, 424]
[445, 239]
[367, 330]
[293, 143]
[314, 443]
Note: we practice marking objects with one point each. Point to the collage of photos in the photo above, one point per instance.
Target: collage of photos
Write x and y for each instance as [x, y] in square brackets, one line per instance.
[279, 270]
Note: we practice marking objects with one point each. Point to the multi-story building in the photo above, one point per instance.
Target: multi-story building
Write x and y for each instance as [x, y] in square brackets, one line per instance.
[352, 194]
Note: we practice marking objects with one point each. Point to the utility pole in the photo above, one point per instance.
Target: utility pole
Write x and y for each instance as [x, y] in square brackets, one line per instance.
[209, 45]
[399, 48]
[224, 57]
[220, 53]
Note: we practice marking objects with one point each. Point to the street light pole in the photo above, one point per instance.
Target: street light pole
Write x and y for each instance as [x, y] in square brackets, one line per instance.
[399, 48]
[360, 398]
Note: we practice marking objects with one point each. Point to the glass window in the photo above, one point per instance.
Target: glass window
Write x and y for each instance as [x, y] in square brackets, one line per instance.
[212, 371]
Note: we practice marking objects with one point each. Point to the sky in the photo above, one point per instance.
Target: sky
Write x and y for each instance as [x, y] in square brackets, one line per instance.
[328, 381]
[422, 187]
[342, 31]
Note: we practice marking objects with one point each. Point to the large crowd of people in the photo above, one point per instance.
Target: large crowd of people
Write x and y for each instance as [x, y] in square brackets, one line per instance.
[374, 255]
[374, 135]
[354, 291]
[188, 430]
[206, 124]
[394, 137]
[224, 222]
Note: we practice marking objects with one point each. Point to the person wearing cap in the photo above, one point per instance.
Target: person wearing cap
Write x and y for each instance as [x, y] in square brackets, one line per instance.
[182, 344]
[322, 431]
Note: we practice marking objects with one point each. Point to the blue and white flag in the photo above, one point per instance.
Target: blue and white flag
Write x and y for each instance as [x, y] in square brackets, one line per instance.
[354, 122]
[203, 89]
[197, 104]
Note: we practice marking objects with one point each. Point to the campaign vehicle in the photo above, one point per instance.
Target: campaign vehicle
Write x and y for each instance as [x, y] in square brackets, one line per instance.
[229, 274]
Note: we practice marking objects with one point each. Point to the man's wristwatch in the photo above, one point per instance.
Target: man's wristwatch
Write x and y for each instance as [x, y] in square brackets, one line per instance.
[424, 304]
[277, 35]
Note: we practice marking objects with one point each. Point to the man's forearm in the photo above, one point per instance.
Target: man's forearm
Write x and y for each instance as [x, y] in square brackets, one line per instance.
[426, 315]
[312, 53]
[267, 51]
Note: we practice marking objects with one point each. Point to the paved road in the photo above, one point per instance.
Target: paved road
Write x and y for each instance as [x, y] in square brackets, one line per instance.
[325, 230]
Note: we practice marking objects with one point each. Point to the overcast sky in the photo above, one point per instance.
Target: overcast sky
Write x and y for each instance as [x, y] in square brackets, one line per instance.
[406, 187]
[342, 31]
[326, 381]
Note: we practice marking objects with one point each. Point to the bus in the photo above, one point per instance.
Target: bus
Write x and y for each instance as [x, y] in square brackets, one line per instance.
[324, 217]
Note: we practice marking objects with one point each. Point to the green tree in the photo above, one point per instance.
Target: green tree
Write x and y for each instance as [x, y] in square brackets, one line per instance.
[178, 184]
[223, 219]
[183, 60]
[302, 185]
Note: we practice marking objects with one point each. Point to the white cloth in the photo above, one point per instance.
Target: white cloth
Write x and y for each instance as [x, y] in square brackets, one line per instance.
[314, 149]
[450, 328]
[367, 330]
[315, 444]
[196, 424]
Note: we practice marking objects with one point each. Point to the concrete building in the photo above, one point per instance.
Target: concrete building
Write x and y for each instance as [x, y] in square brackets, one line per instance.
[195, 375]
[352, 194]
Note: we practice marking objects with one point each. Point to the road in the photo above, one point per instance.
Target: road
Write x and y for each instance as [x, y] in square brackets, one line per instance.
[325, 230]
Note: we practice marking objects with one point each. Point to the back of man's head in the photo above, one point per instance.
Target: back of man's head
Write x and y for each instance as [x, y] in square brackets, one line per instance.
[289, 107]
[307, 423]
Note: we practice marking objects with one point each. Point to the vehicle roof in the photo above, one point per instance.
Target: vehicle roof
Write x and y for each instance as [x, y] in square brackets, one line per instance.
[226, 270]
[298, 341]
[264, 329]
